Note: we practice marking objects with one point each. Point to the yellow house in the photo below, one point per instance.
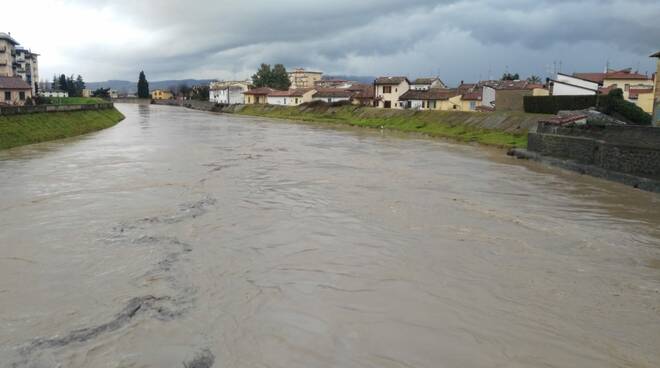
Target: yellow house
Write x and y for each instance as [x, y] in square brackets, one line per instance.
[257, 96]
[642, 97]
[432, 99]
[161, 94]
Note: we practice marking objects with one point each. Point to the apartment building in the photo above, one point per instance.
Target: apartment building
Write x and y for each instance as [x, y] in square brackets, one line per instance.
[301, 78]
[17, 61]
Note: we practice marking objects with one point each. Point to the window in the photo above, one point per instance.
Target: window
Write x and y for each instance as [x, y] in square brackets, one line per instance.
[387, 89]
[21, 96]
[296, 101]
[473, 105]
[7, 96]
[434, 104]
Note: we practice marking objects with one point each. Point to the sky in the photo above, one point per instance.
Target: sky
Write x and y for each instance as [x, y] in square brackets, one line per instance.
[227, 39]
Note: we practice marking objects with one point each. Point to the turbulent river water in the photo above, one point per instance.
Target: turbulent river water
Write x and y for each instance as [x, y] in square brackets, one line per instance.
[183, 238]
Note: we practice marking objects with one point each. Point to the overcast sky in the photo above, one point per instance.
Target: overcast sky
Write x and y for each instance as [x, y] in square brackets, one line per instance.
[455, 39]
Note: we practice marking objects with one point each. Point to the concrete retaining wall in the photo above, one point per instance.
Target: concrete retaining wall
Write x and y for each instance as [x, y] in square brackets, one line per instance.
[15, 110]
[632, 150]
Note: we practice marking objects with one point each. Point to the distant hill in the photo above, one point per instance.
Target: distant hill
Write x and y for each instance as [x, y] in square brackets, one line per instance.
[357, 78]
[122, 86]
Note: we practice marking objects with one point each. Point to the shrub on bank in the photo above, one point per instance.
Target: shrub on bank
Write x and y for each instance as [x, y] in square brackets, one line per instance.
[614, 104]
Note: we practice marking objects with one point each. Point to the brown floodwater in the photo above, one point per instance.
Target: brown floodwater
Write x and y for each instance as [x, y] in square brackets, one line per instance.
[181, 237]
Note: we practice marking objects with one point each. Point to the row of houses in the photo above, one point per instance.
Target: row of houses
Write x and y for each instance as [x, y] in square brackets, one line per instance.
[399, 92]
[385, 92]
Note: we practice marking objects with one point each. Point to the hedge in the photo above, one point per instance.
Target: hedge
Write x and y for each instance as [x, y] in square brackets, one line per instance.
[554, 104]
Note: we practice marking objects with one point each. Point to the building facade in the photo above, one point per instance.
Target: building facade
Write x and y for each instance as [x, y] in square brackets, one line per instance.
[16, 61]
[161, 94]
[257, 96]
[388, 90]
[292, 97]
[228, 92]
[14, 91]
[301, 78]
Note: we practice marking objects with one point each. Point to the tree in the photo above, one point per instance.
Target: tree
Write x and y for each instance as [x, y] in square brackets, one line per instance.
[62, 83]
[263, 77]
[184, 90]
[280, 78]
[534, 79]
[55, 86]
[276, 78]
[80, 85]
[143, 86]
[511, 77]
[102, 93]
[200, 92]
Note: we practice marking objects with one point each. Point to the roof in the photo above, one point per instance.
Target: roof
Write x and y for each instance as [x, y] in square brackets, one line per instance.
[367, 93]
[657, 54]
[333, 92]
[5, 36]
[13, 83]
[509, 85]
[426, 80]
[302, 70]
[611, 74]
[472, 96]
[390, 80]
[290, 93]
[259, 91]
[432, 94]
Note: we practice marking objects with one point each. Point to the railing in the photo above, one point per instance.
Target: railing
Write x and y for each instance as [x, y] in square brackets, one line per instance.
[15, 110]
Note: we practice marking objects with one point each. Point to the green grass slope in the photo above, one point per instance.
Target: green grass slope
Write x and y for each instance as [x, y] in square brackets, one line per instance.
[18, 130]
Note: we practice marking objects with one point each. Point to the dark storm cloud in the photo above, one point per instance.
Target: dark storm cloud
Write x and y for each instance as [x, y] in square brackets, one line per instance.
[230, 38]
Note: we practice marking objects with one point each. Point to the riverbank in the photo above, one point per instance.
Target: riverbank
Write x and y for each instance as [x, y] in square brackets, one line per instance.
[502, 129]
[22, 129]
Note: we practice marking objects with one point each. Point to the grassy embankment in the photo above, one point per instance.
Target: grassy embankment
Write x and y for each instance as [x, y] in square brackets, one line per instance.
[18, 130]
[75, 100]
[501, 129]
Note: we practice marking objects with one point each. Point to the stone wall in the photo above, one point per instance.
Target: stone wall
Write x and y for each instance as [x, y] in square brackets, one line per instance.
[15, 110]
[632, 150]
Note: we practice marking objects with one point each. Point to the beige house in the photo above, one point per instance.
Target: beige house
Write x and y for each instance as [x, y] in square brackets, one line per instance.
[14, 91]
[388, 90]
[301, 78]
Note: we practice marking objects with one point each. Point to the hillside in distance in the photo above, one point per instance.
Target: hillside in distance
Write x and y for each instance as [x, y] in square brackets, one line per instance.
[123, 86]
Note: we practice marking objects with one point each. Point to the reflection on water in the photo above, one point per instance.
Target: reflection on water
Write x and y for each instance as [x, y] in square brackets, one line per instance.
[243, 242]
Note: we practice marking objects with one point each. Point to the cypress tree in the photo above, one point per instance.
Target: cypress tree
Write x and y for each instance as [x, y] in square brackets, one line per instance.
[143, 86]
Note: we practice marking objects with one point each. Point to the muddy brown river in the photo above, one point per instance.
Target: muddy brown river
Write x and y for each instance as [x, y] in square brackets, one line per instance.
[183, 238]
